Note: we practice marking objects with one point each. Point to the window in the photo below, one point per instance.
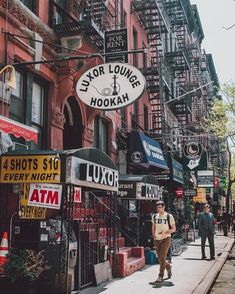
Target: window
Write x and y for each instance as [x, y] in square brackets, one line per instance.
[134, 120]
[135, 46]
[16, 101]
[101, 134]
[27, 105]
[31, 4]
[37, 111]
[59, 11]
[123, 118]
[146, 118]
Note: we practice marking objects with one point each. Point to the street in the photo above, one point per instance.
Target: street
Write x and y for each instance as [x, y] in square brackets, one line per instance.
[225, 283]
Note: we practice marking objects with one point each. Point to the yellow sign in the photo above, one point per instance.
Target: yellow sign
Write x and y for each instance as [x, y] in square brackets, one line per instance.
[201, 196]
[30, 169]
[27, 211]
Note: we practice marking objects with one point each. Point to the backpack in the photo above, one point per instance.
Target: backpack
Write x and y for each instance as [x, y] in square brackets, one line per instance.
[168, 220]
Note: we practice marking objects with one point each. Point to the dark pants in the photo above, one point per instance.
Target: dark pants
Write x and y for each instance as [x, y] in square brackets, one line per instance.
[210, 237]
[162, 247]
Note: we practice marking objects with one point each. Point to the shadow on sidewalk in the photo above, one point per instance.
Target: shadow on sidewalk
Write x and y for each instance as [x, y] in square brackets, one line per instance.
[193, 258]
[164, 284]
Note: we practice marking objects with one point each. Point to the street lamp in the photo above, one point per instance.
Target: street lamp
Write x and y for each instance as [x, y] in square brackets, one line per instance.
[11, 82]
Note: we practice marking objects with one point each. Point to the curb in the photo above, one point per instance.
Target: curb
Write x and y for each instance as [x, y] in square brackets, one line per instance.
[205, 284]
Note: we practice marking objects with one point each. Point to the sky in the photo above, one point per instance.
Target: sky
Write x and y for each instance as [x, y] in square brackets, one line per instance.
[216, 16]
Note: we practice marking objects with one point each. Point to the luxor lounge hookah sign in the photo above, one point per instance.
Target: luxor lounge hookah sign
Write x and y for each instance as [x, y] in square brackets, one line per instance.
[110, 86]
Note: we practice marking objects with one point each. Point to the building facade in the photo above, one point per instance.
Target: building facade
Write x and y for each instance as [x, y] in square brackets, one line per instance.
[51, 45]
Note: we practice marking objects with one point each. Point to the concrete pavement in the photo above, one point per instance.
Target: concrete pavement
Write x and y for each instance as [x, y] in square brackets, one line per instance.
[190, 273]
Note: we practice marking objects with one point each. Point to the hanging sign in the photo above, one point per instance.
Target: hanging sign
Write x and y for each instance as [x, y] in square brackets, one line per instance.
[110, 86]
[45, 195]
[30, 169]
[116, 41]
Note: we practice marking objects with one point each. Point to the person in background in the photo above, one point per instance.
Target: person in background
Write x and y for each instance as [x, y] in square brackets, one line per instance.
[207, 230]
[163, 225]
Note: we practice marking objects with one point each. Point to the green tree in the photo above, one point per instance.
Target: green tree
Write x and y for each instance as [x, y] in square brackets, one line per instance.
[221, 122]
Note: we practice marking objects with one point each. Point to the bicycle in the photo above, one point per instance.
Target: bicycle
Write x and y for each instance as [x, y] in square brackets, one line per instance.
[176, 248]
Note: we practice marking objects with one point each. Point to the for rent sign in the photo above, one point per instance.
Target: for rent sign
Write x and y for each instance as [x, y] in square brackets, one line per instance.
[30, 169]
[110, 86]
[45, 195]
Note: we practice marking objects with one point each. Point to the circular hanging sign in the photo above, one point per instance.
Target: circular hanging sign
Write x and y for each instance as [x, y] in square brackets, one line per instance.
[110, 86]
[192, 150]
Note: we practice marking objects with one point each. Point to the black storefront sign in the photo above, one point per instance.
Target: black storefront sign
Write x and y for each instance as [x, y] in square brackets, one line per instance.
[139, 187]
[116, 41]
[127, 190]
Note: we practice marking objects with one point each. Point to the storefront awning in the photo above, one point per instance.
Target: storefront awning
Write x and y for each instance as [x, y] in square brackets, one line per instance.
[85, 167]
[145, 151]
[139, 187]
[10, 126]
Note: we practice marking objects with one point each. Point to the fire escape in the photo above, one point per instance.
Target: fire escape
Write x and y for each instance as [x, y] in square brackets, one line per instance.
[180, 15]
[89, 17]
[154, 19]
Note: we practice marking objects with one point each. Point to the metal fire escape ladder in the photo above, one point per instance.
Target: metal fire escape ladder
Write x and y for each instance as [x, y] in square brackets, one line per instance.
[179, 13]
[153, 17]
[90, 17]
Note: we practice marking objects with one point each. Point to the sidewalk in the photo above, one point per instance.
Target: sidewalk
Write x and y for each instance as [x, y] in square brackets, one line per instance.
[190, 273]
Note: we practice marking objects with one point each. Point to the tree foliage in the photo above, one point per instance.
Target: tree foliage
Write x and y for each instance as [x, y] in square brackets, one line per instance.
[222, 123]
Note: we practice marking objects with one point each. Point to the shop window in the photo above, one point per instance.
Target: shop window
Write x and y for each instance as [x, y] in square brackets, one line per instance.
[31, 4]
[101, 134]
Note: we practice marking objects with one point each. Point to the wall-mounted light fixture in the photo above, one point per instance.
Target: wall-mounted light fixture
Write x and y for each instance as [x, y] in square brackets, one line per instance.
[9, 84]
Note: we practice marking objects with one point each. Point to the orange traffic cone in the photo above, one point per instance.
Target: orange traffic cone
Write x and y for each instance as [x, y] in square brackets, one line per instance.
[3, 251]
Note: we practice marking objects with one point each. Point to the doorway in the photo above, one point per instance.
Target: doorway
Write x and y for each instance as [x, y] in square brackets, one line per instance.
[73, 128]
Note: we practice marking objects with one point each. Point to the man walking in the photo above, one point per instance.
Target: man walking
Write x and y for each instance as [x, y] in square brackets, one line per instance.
[163, 225]
[207, 230]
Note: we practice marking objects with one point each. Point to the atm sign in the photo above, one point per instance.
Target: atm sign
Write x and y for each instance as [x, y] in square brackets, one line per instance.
[48, 195]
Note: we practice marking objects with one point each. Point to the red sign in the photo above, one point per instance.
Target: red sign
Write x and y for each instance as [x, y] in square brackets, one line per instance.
[77, 195]
[216, 182]
[179, 192]
[10, 126]
[45, 195]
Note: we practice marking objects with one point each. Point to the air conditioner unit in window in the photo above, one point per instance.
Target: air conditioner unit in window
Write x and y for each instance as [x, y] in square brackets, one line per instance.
[19, 146]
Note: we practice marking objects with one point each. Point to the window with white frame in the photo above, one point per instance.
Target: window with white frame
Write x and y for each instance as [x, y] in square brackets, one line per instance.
[37, 114]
